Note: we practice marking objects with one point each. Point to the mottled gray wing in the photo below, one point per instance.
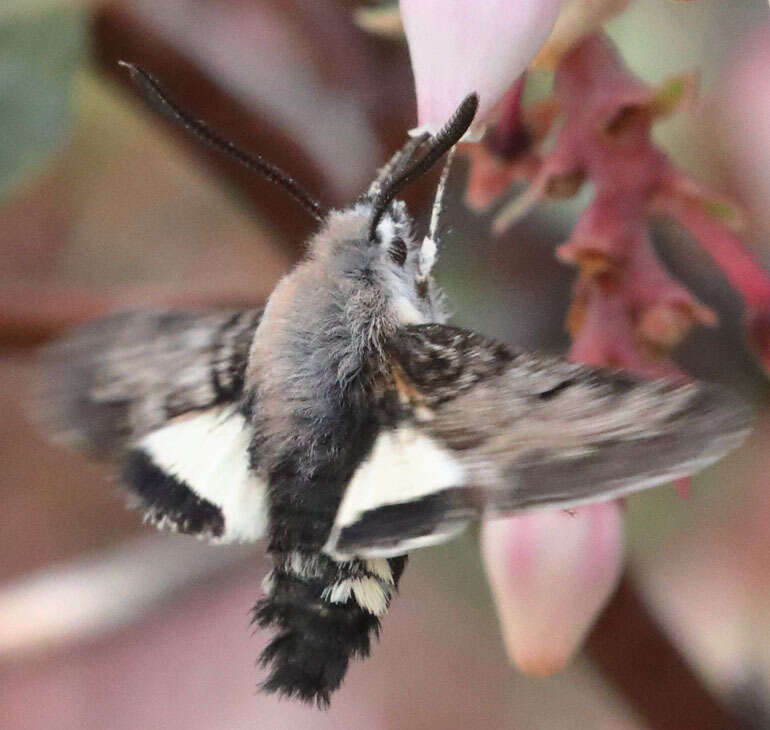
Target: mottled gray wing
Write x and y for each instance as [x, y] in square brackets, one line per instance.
[115, 379]
[473, 428]
[158, 391]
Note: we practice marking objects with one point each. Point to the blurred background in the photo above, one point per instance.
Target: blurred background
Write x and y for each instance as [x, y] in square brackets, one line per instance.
[106, 624]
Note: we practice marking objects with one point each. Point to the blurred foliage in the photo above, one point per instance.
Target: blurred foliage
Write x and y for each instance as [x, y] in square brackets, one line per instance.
[28, 8]
[40, 53]
[660, 38]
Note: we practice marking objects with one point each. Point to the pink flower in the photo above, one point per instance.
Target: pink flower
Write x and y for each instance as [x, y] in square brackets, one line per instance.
[551, 573]
[461, 46]
[606, 138]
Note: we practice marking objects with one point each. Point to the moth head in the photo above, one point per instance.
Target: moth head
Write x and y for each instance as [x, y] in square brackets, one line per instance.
[402, 169]
[373, 245]
[391, 270]
[403, 261]
[374, 241]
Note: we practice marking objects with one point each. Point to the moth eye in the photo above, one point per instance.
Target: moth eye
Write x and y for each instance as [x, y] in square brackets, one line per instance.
[397, 250]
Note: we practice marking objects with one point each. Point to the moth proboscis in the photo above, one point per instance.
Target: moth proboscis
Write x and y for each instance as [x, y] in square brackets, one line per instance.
[348, 424]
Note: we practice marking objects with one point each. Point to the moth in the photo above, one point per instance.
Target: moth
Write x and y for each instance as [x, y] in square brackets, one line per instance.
[348, 424]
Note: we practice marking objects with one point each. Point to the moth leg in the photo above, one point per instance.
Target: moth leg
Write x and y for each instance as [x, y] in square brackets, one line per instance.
[325, 612]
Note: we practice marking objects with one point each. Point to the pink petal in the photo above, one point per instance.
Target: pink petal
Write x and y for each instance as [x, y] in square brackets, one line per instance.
[603, 333]
[461, 46]
[551, 573]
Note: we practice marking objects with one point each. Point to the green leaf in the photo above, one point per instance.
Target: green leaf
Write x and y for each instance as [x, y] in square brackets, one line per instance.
[40, 54]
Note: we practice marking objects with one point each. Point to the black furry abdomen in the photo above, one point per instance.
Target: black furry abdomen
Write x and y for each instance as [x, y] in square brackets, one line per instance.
[325, 612]
[317, 637]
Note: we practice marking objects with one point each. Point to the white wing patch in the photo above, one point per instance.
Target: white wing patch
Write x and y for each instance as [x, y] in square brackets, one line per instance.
[208, 452]
[405, 465]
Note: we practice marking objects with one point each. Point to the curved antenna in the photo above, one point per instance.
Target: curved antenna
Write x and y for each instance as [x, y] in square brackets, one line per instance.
[395, 164]
[447, 137]
[155, 95]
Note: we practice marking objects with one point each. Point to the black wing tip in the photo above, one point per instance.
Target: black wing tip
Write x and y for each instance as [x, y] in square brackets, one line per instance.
[169, 501]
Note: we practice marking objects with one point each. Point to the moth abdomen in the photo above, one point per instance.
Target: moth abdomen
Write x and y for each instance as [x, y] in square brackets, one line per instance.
[326, 613]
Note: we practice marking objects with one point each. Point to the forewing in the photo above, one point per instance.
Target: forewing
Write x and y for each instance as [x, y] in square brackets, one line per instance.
[158, 392]
[490, 431]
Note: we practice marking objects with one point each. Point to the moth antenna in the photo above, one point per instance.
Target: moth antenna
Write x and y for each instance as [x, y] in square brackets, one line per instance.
[446, 138]
[395, 164]
[438, 201]
[155, 94]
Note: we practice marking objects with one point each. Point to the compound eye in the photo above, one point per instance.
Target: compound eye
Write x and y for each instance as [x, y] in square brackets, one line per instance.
[397, 250]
